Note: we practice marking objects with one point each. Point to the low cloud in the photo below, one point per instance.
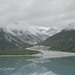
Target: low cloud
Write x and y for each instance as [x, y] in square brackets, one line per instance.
[37, 12]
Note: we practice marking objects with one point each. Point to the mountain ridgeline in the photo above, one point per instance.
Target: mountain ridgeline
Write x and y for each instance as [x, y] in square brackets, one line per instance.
[63, 41]
[11, 38]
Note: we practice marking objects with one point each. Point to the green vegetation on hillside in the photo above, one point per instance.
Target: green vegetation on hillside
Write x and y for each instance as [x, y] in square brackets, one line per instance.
[63, 41]
[18, 52]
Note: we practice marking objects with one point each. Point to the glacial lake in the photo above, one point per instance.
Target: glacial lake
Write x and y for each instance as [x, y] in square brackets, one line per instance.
[37, 66]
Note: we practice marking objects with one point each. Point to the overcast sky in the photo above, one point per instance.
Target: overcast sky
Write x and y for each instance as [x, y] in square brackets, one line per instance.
[37, 12]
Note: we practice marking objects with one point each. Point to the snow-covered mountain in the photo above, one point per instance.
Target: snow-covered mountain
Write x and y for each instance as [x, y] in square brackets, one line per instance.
[30, 35]
[9, 41]
[18, 35]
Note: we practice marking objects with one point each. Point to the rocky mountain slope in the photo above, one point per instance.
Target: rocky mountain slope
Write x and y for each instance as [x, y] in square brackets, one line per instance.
[9, 41]
[30, 35]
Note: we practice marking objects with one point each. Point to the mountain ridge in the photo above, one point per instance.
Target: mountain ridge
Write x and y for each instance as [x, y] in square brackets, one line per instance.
[16, 37]
[30, 35]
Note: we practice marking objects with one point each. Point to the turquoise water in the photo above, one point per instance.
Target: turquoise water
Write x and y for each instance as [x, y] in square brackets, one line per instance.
[37, 66]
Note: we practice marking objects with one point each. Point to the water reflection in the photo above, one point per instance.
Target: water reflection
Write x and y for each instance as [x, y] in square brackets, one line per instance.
[37, 66]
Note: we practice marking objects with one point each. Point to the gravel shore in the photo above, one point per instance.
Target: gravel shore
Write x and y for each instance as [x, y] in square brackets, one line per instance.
[46, 54]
